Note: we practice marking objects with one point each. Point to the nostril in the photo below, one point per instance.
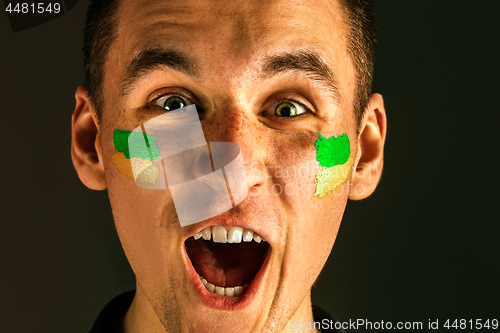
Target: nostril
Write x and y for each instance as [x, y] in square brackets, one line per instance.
[255, 190]
[257, 174]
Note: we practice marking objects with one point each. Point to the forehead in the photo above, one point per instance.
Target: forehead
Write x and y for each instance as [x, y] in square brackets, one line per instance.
[240, 24]
[235, 29]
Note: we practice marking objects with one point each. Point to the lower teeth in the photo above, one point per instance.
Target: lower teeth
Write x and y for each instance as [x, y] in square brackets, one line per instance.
[229, 291]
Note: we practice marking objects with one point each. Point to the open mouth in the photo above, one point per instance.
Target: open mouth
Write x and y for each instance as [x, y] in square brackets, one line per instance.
[227, 261]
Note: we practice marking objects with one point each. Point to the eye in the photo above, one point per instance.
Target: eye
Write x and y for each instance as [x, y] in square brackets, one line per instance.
[171, 102]
[286, 109]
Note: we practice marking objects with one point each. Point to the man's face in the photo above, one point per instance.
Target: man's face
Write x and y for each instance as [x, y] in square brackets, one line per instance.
[237, 81]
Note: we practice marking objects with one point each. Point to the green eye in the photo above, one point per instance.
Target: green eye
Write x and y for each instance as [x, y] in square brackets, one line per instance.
[285, 109]
[172, 102]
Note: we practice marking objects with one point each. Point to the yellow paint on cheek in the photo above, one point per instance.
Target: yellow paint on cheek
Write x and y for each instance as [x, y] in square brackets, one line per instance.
[329, 179]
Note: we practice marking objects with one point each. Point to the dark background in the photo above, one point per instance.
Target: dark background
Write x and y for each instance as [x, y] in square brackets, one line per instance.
[424, 246]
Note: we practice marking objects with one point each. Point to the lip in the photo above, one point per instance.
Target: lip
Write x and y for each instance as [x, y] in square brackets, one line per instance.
[214, 300]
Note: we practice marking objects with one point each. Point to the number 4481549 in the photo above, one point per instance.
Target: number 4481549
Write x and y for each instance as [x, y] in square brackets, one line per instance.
[462, 324]
[39, 8]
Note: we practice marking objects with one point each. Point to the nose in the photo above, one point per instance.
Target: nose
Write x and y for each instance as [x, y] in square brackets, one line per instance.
[237, 126]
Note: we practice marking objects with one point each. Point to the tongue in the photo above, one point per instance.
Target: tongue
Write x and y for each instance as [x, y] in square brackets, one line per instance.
[226, 265]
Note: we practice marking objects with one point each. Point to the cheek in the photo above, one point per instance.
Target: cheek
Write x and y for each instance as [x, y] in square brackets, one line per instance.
[292, 168]
[312, 223]
[144, 221]
[139, 213]
[294, 175]
[296, 171]
[134, 206]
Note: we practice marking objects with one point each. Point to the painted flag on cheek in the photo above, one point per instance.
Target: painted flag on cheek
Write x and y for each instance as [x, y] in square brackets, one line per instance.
[335, 162]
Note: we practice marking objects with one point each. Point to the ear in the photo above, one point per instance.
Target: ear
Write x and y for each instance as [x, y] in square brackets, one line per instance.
[371, 141]
[86, 151]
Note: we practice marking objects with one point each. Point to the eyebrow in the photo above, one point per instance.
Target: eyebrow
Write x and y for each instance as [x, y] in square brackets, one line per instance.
[154, 58]
[309, 62]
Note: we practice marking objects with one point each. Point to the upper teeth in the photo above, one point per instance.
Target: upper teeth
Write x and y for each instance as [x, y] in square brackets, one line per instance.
[219, 234]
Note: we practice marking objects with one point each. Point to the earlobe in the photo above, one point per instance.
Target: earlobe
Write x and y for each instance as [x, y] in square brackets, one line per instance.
[371, 142]
[85, 143]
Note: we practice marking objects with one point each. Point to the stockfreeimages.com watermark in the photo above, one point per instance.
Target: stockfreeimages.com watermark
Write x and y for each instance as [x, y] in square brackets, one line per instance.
[358, 324]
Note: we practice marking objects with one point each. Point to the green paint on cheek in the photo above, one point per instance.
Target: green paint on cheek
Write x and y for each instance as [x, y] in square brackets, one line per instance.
[132, 145]
[333, 151]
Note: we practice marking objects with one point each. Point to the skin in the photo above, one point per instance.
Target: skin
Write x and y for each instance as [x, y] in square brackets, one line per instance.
[229, 40]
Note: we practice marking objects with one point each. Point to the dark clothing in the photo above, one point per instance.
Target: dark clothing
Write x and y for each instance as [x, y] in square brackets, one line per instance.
[111, 316]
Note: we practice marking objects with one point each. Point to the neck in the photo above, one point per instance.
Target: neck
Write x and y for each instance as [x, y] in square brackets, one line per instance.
[140, 316]
[303, 315]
